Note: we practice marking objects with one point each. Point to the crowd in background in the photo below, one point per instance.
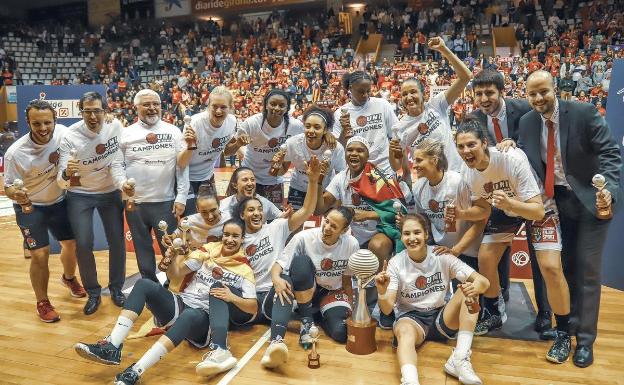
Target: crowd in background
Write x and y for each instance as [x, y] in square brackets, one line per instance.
[307, 55]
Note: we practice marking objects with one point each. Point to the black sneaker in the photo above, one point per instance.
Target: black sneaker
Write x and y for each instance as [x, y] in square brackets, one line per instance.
[103, 352]
[127, 377]
[560, 350]
[386, 321]
[488, 323]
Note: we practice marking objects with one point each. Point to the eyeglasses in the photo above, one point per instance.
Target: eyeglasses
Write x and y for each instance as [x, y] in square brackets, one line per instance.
[97, 111]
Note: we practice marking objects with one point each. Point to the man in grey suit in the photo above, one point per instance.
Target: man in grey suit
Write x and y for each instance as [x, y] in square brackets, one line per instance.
[501, 117]
[567, 143]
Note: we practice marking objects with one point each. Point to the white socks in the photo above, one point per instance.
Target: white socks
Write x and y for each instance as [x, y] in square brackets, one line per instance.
[464, 342]
[409, 374]
[152, 356]
[120, 331]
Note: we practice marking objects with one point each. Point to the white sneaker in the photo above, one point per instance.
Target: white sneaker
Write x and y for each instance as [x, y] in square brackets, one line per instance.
[461, 368]
[276, 354]
[215, 362]
[501, 307]
[409, 382]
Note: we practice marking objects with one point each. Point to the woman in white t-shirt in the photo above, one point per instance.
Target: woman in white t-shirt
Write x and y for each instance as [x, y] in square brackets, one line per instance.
[365, 116]
[504, 191]
[212, 132]
[205, 226]
[430, 119]
[317, 124]
[221, 290]
[316, 262]
[414, 285]
[243, 185]
[438, 188]
[267, 132]
[264, 243]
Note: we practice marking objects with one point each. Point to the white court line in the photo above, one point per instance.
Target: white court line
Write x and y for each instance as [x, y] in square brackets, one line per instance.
[229, 376]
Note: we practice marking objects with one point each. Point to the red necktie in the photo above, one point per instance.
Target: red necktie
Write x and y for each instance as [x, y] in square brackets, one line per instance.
[550, 160]
[497, 130]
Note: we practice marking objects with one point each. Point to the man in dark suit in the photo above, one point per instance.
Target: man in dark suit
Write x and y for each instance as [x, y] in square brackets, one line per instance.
[501, 116]
[567, 143]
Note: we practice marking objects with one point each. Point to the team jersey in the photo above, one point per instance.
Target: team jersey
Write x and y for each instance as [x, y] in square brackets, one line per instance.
[36, 165]
[373, 122]
[423, 286]
[330, 262]
[432, 200]
[150, 155]
[297, 152]
[341, 190]
[507, 171]
[200, 232]
[211, 142]
[228, 204]
[433, 123]
[265, 142]
[262, 249]
[197, 293]
[101, 164]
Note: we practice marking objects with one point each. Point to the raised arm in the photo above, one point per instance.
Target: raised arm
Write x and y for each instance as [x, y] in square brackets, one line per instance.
[463, 73]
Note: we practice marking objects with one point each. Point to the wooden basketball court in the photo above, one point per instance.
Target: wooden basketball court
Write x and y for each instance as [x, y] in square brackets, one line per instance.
[33, 352]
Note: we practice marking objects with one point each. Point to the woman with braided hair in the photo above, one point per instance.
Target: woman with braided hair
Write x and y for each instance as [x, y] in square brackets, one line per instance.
[365, 116]
[267, 132]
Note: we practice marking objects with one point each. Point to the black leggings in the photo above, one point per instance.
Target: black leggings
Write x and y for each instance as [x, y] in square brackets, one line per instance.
[221, 313]
[191, 323]
[302, 273]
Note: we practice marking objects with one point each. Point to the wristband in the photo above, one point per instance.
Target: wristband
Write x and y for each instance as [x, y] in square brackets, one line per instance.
[504, 139]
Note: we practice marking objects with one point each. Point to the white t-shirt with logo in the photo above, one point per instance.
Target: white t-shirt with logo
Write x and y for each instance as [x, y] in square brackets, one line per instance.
[210, 144]
[150, 154]
[228, 204]
[330, 262]
[197, 293]
[101, 163]
[372, 121]
[508, 171]
[431, 201]
[200, 232]
[36, 165]
[263, 247]
[423, 286]
[298, 152]
[433, 123]
[341, 190]
[265, 142]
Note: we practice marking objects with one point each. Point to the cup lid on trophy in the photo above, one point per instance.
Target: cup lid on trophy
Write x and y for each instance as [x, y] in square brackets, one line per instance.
[397, 206]
[18, 183]
[131, 182]
[187, 120]
[178, 242]
[184, 224]
[363, 263]
[162, 225]
[314, 331]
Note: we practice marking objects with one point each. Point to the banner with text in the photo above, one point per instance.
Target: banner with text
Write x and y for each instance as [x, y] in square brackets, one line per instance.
[612, 261]
[208, 6]
[64, 99]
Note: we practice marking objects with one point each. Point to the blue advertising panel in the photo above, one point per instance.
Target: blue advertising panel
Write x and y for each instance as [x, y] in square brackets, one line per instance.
[64, 99]
[612, 261]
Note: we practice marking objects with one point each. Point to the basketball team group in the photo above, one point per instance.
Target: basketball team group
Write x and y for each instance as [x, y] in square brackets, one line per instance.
[437, 207]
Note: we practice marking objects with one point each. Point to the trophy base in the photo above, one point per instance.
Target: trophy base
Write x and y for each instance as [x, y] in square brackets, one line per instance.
[74, 181]
[314, 362]
[361, 339]
[130, 205]
[604, 213]
[28, 208]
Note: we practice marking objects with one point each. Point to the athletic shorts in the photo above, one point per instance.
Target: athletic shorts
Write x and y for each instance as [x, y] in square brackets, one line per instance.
[208, 184]
[179, 308]
[274, 193]
[431, 323]
[328, 299]
[35, 226]
[501, 228]
[296, 198]
[546, 233]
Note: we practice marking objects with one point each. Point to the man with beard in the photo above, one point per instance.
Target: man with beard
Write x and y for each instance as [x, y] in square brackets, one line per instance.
[567, 143]
[91, 171]
[40, 204]
[501, 116]
[150, 148]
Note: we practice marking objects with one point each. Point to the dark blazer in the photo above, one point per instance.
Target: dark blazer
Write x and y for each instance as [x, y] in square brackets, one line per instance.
[515, 109]
[587, 148]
